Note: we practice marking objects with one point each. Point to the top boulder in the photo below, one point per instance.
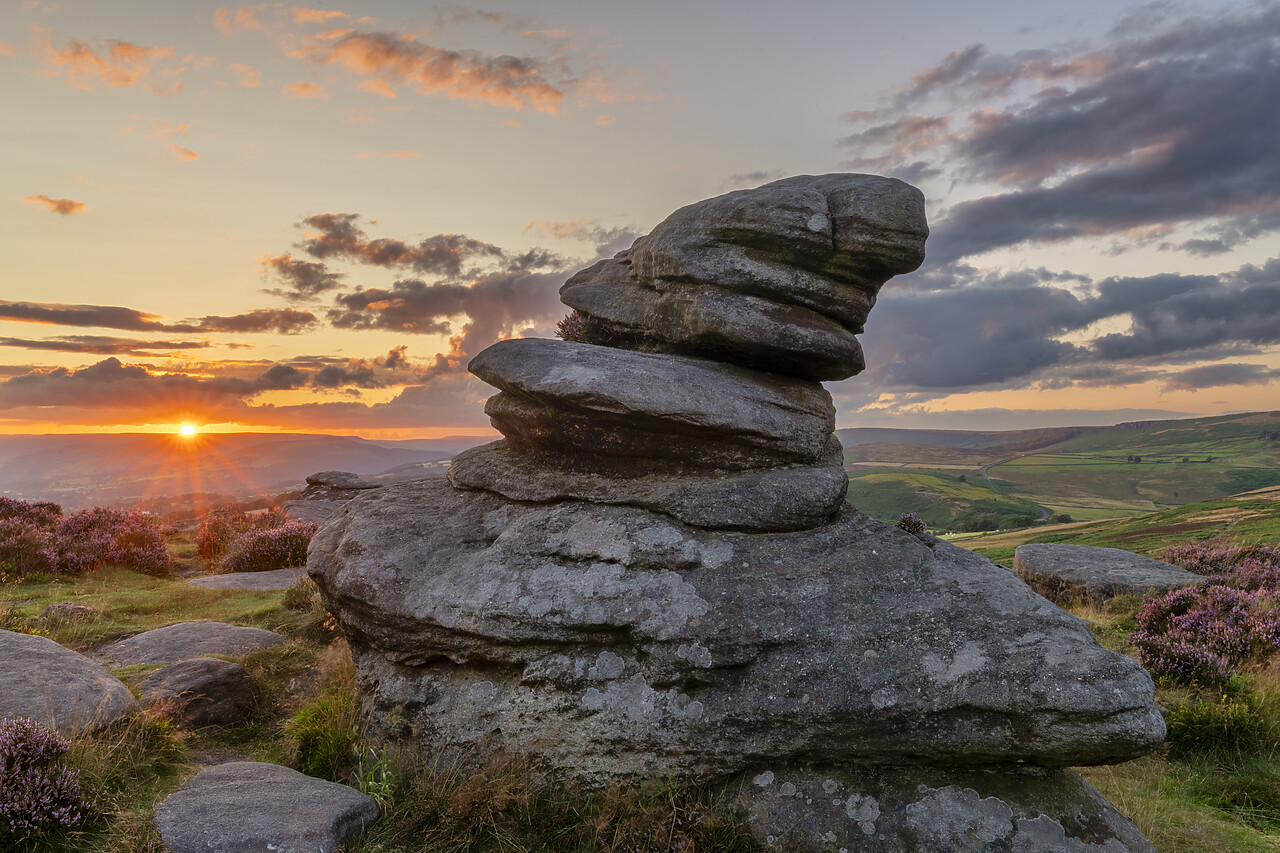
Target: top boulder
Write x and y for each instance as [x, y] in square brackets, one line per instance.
[807, 252]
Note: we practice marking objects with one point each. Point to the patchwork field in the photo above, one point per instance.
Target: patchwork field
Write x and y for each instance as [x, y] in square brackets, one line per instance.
[1092, 475]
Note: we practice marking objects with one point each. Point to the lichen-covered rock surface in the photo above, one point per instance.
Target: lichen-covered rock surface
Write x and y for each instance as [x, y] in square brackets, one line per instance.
[617, 642]
[930, 810]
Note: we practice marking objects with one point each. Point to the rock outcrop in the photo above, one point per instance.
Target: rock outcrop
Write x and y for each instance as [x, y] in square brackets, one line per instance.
[325, 494]
[1085, 573]
[655, 572]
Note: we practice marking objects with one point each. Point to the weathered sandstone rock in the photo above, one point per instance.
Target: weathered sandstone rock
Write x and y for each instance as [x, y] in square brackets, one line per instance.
[940, 810]
[201, 692]
[615, 642]
[791, 497]
[708, 322]
[251, 807]
[187, 640]
[778, 278]
[1074, 573]
[62, 689]
[592, 399]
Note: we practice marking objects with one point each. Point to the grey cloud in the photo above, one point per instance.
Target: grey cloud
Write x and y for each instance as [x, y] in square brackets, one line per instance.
[1217, 375]
[1151, 129]
[339, 235]
[102, 345]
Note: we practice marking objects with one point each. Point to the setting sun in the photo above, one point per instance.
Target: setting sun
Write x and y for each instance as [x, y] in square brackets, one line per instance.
[187, 430]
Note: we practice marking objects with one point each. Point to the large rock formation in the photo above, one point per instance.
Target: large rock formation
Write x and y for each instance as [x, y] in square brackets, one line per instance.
[655, 572]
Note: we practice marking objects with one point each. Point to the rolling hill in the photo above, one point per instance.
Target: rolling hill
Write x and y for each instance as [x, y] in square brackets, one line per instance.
[1086, 473]
[124, 469]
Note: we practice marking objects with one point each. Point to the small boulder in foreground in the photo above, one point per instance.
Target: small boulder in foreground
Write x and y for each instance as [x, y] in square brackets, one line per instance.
[252, 807]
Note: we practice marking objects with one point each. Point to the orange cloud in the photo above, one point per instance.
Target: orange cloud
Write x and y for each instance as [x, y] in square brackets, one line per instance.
[377, 87]
[305, 90]
[61, 206]
[303, 15]
[244, 18]
[249, 78]
[183, 153]
[605, 120]
[504, 81]
[162, 128]
[119, 64]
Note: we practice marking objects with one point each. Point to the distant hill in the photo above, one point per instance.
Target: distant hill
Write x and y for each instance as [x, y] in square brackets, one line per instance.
[967, 480]
[124, 469]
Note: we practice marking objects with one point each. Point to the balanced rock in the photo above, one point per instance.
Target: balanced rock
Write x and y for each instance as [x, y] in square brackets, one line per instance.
[187, 640]
[655, 573]
[1086, 573]
[251, 807]
[325, 494]
[201, 692]
[779, 278]
[61, 688]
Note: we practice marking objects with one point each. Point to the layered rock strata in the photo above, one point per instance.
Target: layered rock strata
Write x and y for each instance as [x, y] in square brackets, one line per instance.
[655, 573]
[706, 404]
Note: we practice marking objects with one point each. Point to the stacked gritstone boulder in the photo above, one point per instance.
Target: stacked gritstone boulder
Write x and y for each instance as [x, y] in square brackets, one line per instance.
[655, 573]
[706, 403]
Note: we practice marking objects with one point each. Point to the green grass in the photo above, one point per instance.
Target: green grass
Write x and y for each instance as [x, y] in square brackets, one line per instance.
[940, 499]
[1246, 520]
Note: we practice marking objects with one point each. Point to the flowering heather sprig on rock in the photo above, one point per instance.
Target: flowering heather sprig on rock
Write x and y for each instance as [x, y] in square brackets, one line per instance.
[912, 523]
[267, 549]
[580, 328]
[37, 793]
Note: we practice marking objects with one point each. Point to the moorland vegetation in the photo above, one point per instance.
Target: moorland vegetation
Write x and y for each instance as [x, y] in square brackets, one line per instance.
[1212, 649]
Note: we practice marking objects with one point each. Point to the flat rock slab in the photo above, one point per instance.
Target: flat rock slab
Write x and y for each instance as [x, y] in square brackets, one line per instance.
[1068, 574]
[613, 641]
[609, 401]
[274, 579]
[795, 497]
[187, 640]
[250, 807]
[201, 692]
[58, 687]
[913, 810]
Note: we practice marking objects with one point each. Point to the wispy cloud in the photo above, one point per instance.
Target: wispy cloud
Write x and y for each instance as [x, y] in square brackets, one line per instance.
[341, 236]
[503, 81]
[245, 18]
[309, 91]
[102, 345]
[60, 206]
[286, 321]
[115, 64]
[249, 77]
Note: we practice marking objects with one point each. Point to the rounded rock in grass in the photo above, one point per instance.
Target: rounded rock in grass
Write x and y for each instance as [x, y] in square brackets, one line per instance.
[61, 688]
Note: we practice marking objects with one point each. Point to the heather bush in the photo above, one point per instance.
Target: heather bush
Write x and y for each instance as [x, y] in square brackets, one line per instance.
[93, 537]
[26, 548]
[221, 528]
[1199, 635]
[39, 513]
[265, 549]
[37, 793]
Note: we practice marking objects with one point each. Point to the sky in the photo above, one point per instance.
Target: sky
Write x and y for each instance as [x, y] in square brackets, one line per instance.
[280, 217]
